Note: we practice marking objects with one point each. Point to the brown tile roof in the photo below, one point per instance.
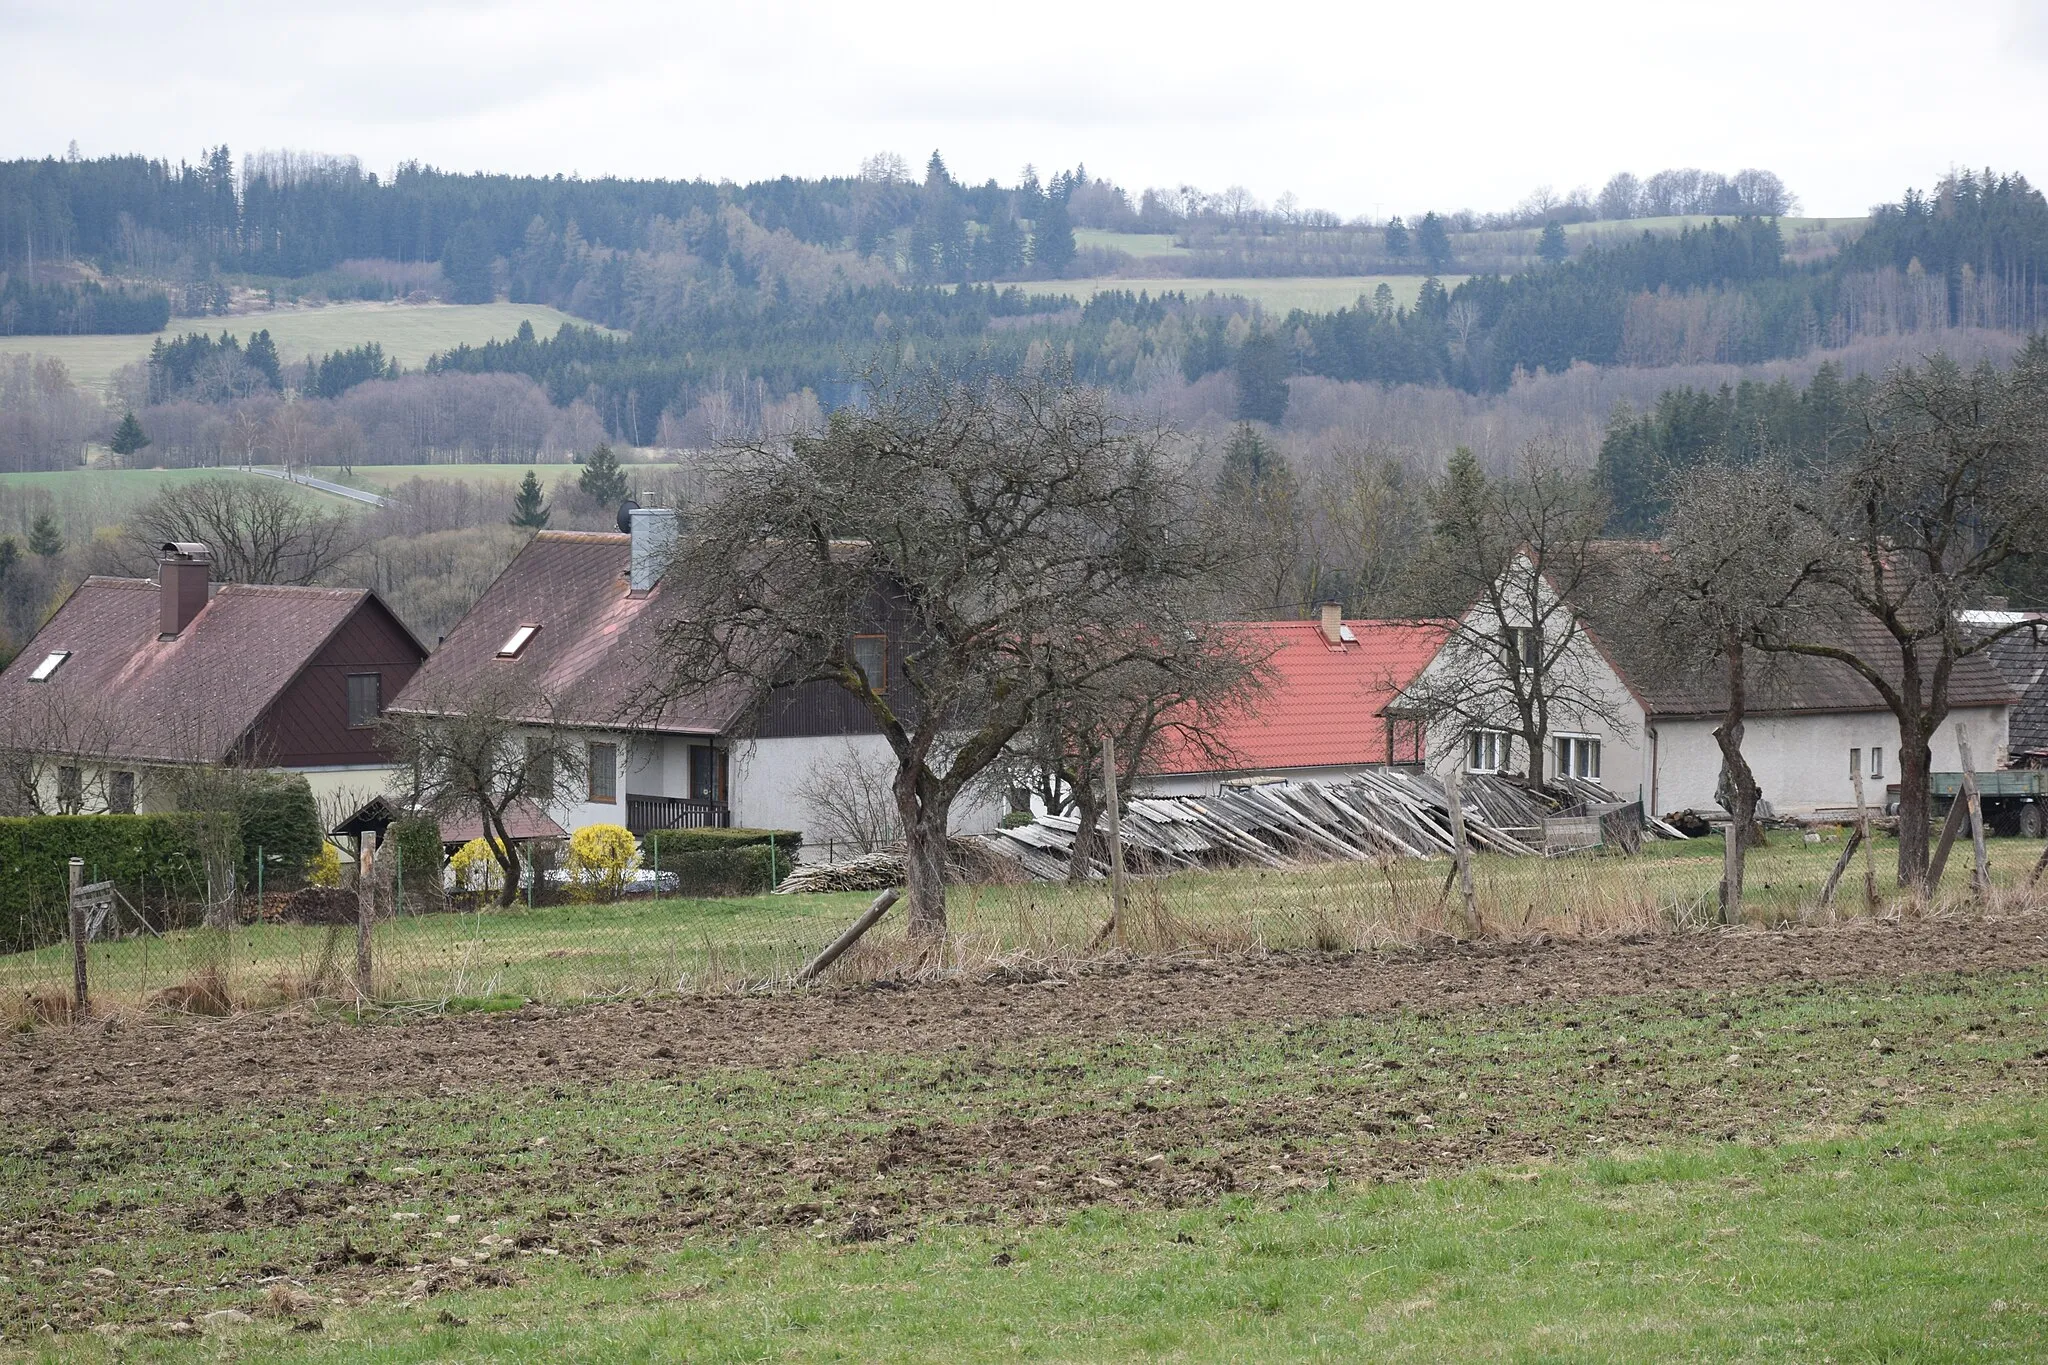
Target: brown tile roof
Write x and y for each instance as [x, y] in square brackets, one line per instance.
[1783, 684]
[593, 654]
[191, 699]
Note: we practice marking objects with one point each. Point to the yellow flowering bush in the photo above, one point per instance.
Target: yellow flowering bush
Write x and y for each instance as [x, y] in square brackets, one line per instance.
[476, 867]
[324, 867]
[601, 857]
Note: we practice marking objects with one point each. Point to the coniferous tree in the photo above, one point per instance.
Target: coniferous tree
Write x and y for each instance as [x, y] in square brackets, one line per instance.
[44, 538]
[1052, 239]
[1397, 238]
[1433, 240]
[262, 355]
[128, 437]
[602, 481]
[1261, 379]
[1551, 247]
[527, 507]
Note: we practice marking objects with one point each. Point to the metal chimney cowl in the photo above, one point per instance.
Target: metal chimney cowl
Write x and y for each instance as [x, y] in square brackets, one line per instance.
[654, 542]
[183, 570]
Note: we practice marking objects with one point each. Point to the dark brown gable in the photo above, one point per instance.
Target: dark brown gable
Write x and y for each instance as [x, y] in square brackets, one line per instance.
[307, 726]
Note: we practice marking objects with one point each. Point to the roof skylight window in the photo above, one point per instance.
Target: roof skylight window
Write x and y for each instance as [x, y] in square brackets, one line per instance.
[516, 642]
[52, 661]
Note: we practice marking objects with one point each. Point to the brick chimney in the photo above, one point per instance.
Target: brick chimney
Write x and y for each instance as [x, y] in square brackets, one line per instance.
[1331, 622]
[182, 572]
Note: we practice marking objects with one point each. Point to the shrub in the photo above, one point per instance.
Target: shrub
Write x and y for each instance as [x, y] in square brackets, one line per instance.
[748, 870]
[786, 842]
[325, 869]
[279, 822]
[417, 842]
[155, 860]
[476, 867]
[600, 858]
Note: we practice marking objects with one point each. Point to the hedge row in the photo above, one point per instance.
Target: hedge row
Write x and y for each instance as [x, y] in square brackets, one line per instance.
[786, 842]
[748, 870]
[157, 859]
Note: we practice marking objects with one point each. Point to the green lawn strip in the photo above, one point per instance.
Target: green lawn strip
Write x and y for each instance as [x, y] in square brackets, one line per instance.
[1921, 1240]
[574, 952]
[374, 1198]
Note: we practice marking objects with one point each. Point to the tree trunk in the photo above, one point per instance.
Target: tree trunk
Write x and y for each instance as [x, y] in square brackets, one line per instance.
[1088, 809]
[507, 859]
[924, 868]
[1742, 827]
[1916, 763]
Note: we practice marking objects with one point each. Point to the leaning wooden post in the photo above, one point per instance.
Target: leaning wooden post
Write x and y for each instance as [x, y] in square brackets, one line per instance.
[1958, 812]
[1827, 889]
[78, 981]
[366, 914]
[1980, 881]
[1461, 848]
[1863, 837]
[1116, 839]
[869, 918]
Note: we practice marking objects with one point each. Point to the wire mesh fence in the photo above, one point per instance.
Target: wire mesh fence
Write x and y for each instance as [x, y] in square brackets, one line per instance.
[440, 952]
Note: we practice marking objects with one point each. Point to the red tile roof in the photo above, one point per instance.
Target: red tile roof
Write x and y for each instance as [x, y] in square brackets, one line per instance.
[1321, 705]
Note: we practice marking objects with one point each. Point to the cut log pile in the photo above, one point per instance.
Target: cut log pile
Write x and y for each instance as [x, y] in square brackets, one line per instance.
[1379, 814]
[1386, 813]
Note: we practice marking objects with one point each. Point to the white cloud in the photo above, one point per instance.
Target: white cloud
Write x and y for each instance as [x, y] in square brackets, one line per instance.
[1358, 108]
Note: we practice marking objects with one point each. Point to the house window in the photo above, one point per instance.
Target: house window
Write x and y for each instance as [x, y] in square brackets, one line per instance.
[516, 641]
[1525, 647]
[540, 769]
[604, 772]
[871, 652]
[1486, 751]
[365, 699]
[703, 773]
[121, 794]
[1578, 756]
[52, 661]
[70, 790]
[1855, 763]
[1877, 763]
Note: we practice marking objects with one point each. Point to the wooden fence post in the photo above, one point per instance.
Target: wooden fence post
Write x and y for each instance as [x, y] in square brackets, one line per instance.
[1116, 839]
[366, 913]
[1980, 880]
[78, 979]
[1863, 837]
[1461, 848]
[869, 918]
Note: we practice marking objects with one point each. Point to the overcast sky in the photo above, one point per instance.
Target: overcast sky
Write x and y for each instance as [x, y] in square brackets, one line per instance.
[1359, 108]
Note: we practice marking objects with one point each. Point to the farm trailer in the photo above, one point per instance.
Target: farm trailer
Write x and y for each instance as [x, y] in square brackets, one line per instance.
[2015, 800]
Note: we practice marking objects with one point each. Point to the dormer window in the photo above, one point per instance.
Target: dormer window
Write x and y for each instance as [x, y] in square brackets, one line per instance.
[516, 642]
[52, 661]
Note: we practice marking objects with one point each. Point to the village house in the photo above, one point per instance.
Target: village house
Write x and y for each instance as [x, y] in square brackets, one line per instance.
[1627, 724]
[132, 677]
[575, 621]
[1321, 715]
[2021, 658]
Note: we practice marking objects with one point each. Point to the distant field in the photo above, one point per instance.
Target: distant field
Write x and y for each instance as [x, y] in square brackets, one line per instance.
[1276, 294]
[1130, 243]
[85, 500]
[382, 478]
[408, 332]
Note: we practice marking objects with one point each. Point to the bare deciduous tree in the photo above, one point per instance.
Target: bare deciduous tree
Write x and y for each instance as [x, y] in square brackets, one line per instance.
[1513, 556]
[1948, 486]
[1010, 537]
[1734, 567]
[258, 532]
[478, 754]
[850, 800]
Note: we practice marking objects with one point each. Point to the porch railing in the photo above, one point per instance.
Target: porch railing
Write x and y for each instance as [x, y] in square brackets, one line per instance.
[645, 814]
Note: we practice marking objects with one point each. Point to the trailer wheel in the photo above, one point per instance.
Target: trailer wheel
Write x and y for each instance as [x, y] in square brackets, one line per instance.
[2032, 822]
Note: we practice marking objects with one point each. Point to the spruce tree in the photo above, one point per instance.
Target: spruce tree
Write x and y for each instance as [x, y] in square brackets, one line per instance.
[262, 354]
[1433, 240]
[1052, 239]
[128, 437]
[1551, 246]
[44, 538]
[527, 508]
[602, 481]
[1397, 238]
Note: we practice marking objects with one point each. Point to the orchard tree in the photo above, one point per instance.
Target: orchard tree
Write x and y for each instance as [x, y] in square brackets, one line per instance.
[951, 555]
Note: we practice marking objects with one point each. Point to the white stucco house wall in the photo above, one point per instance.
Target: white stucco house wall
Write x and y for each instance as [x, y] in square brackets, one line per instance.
[1811, 723]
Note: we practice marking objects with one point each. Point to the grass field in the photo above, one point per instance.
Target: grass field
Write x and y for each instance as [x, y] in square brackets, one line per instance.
[651, 948]
[1276, 294]
[1844, 1169]
[1130, 243]
[86, 500]
[408, 332]
[382, 478]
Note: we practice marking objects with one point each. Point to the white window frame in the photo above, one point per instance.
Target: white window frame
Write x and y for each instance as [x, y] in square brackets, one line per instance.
[1877, 762]
[1519, 638]
[47, 669]
[1570, 753]
[516, 643]
[1484, 744]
